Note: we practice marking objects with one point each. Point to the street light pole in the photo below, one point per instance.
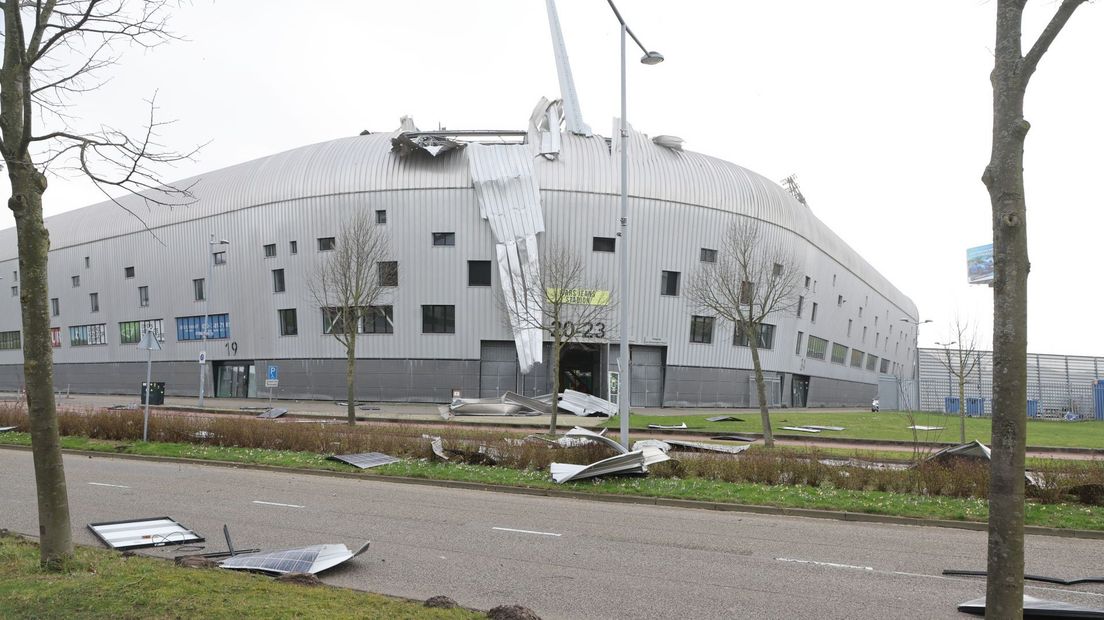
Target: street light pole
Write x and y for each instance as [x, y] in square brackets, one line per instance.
[624, 387]
[211, 243]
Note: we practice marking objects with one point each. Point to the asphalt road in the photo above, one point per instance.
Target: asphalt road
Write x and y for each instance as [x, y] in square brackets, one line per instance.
[563, 558]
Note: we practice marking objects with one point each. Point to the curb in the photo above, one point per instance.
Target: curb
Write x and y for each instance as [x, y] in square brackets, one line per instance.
[856, 517]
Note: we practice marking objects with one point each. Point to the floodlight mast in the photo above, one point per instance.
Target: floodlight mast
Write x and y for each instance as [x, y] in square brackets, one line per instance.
[624, 384]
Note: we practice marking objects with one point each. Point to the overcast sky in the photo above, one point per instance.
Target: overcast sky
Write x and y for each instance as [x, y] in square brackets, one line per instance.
[881, 107]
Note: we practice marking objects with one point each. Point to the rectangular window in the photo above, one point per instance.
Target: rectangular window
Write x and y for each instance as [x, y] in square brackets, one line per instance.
[848, 328]
[87, 262]
[378, 320]
[438, 319]
[381, 216]
[278, 281]
[812, 316]
[289, 324]
[856, 358]
[87, 335]
[839, 353]
[765, 340]
[55, 306]
[808, 281]
[885, 366]
[15, 291]
[877, 337]
[777, 271]
[669, 283]
[701, 329]
[94, 301]
[219, 257]
[817, 348]
[747, 292]
[839, 300]
[800, 305]
[197, 289]
[293, 247]
[860, 311]
[143, 296]
[15, 276]
[864, 334]
[55, 337]
[872, 363]
[128, 272]
[388, 273]
[270, 250]
[708, 255]
[326, 244]
[797, 349]
[444, 238]
[875, 320]
[9, 340]
[605, 244]
[479, 273]
[130, 332]
[76, 281]
[191, 327]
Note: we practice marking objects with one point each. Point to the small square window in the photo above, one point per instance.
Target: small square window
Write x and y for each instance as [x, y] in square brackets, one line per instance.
[701, 329]
[55, 307]
[128, 272]
[444, 238]
[76, 281]
[605, 244]
[708, 255]
[777, 270]
[479, 273]
[94, 301]
[293, 247]
[197, 289]
[143, 296]
[381, 216]
[326, 244]
[669, 283]
[220, 258]
[388, 273]
[270, 250]
[289, 323]
[278, 281]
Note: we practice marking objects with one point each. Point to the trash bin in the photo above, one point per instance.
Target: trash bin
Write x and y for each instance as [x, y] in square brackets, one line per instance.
[156, 393]
[1032, 408]
[950, 404]
[975, 406]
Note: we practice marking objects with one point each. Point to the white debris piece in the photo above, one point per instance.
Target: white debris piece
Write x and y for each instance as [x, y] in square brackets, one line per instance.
[918, 427]
[668, 427]
[482, 406]
[651, 443]
[973, 449]
[698, 446]
[635, 462]
[803, 429]
[585, 405]
[578, 433]
[825, 428]
[532, 404]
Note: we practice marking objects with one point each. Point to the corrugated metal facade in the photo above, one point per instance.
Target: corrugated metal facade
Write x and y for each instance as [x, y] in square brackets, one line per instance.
[680, 202]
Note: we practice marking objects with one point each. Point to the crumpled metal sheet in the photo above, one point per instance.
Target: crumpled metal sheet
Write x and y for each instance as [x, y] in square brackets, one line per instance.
[544, 128]
[634, 462]
[669, 142]
[589, 435]
[585, 405]
[974, 449]
[408, 143]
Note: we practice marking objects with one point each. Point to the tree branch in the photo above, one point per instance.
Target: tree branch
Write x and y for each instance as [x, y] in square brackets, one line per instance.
[1042, 44]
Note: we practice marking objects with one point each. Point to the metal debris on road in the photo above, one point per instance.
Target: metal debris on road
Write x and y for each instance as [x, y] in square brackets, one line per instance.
[273, 413]
[668, 427]
[1038, 608]
[482, 406]
[365, 460]
[526, 402]
[141, 533]
[723, 418]
[312, 559]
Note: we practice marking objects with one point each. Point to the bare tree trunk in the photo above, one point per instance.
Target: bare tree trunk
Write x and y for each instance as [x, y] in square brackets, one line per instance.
[350, 374]
[962, 409]
[556, 344]
[55, 537]
[761, 390]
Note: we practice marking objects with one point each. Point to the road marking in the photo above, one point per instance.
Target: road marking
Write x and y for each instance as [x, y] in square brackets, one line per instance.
[104, 484]
[828, 564]
[278, 504]
[510, 529]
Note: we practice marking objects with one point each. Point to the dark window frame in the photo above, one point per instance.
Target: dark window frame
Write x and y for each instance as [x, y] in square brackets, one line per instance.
[327, 244]
[287, 320]
[279, 282]
[438, 319]
[604, 244]
[701, 329]
[475, 273]
[270, 250]
[444, 239]
[669, 283]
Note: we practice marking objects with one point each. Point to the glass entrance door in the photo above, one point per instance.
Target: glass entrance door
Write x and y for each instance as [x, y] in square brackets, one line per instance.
[800, 390]
[233, 380]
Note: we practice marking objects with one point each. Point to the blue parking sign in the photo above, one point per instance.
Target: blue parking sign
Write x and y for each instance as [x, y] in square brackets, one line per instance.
[273, 373]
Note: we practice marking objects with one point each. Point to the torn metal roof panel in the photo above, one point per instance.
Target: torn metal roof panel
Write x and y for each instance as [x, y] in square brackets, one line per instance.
[273, 413]
[668, 427]
[531, 404]
[312, 559]
[803, 429]
[818, 427]
[582, 433]
[973, 449]
[630, 462]
[698, 446]
[585, 404]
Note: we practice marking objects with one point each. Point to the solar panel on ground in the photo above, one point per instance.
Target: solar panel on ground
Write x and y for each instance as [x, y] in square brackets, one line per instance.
[139, 533]
[312, 559]
[366, 459]
[273, 413]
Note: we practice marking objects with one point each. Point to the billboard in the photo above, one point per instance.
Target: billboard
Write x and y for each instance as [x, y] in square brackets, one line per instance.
[979, 264]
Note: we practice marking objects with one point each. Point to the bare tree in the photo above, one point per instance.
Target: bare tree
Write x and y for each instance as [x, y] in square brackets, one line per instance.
[754, 279]
[1004, 178]
[346, 285]
[564, 303]
[53, 53]
[966, 361]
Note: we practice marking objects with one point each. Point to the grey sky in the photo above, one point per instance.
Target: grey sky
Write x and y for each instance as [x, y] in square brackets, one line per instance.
[881, 108]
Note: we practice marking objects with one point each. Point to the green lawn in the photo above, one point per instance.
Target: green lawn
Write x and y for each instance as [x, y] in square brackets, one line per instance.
[104, 584]
[697, 489]
[885, 426]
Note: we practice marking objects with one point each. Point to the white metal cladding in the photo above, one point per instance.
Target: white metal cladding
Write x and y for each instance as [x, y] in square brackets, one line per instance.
[679, 201]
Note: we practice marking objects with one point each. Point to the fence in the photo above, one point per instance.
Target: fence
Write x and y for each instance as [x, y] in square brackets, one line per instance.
[1056, 384]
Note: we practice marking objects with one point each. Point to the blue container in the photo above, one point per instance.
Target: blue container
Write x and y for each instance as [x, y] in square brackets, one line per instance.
[1032, 408]
[950, 404]
[1098, 398]
[975, 406]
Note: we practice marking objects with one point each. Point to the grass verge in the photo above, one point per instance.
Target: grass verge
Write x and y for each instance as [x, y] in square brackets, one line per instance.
[1057, 515]
[102, 584]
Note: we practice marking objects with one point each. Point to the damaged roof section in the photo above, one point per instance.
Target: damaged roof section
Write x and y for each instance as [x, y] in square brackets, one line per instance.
[408, 140]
